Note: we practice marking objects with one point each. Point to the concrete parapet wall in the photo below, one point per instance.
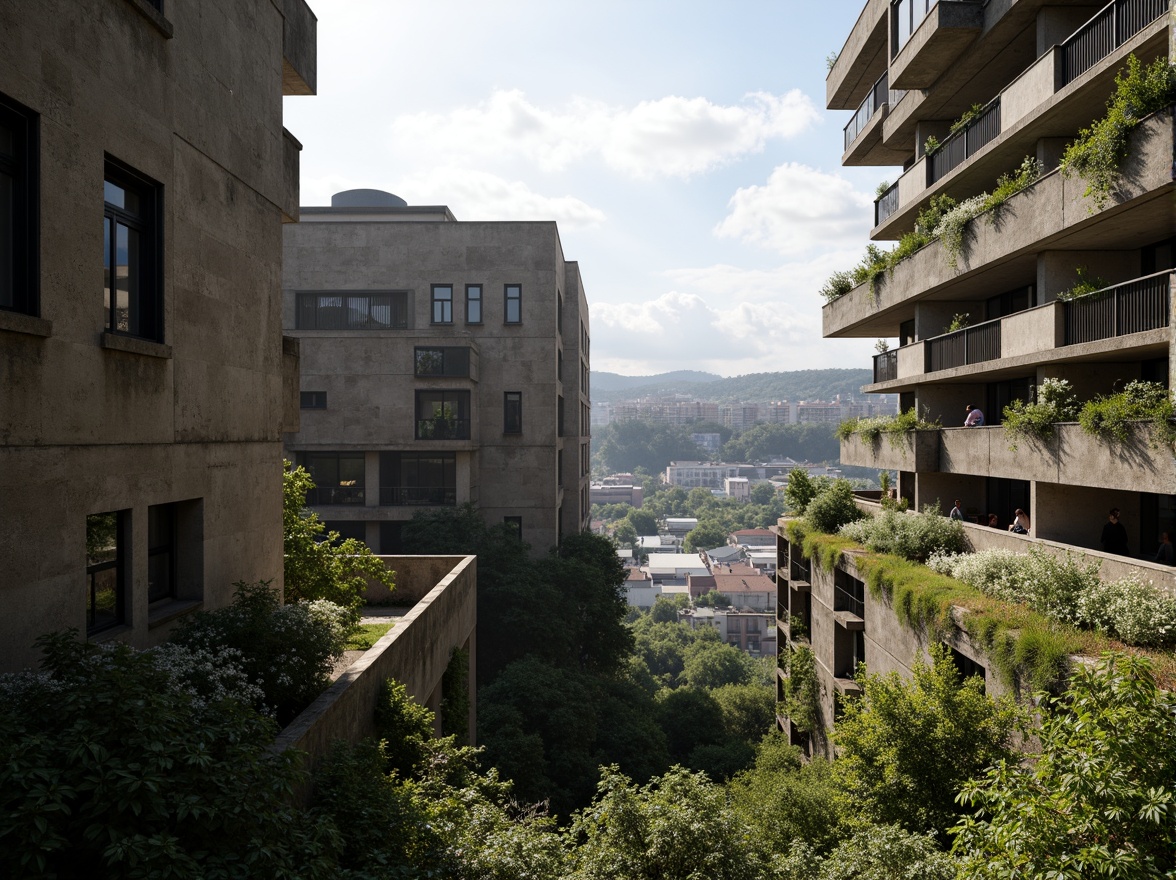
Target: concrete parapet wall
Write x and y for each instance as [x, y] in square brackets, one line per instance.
[917, 451]
[416, 652]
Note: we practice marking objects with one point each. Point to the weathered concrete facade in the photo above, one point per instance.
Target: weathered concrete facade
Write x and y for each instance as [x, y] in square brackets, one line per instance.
[163, 406]
[442, 362]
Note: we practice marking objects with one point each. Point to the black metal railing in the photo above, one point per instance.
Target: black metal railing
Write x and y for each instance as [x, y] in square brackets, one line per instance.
[1142, 304]
[886, 204]
[323, 495]
[443, 429]
[873, 102]
[798, 571]
[965, 143]
[417, 495]
[886, 366]
[907, 15]
[972, 345]
[1110, 28]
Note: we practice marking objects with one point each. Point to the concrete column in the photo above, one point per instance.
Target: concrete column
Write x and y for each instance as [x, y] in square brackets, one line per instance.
[463, 475]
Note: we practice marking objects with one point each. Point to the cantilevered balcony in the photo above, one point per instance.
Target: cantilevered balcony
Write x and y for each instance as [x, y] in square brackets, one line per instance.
[863, 132]
[1000, 249]
[861, 60]
[1125, 322]
[927, 37]
[1059, 93]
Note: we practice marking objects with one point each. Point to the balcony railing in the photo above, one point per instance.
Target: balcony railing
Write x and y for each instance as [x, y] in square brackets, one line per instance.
[907, 15]
[844, 600]
[1143, 304]
[965, 143]
[324, 495]
[972, 345]
[1110, 28]
[799, 571]
[443, 429]
[886, 366]
[886, 204]
[877, 96]
[417, 495]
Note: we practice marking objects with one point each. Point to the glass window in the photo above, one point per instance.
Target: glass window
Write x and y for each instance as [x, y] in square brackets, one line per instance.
[18, 182]
[442, 415]
[131, 259]
[473, 303]
[512, 412]
[161, 552]
[442, 304]
[313, 400]
[513, 295]
[450, 361]
[352, 311]
[106, 569]
[418, 478]
[338, 477]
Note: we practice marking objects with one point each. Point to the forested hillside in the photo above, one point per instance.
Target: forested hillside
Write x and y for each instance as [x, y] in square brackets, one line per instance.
[795, 385]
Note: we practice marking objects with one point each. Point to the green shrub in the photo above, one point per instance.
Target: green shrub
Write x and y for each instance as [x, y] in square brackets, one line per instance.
[894, 427]
[801, 489]
[289, 651]
[959, 321]
[833, 508]
[406, 726]
[455, 696]
[836, 285]
[915, 537]
[1055, 403]
[1098, 153]
[1084, 285]
[966, 118]
[1135, 611]
[802, 690]
[109, 769]
[1111, 417]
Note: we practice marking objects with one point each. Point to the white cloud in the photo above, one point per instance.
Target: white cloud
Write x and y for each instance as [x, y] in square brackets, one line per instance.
[479, 195]
[798, 211]
[668, 137]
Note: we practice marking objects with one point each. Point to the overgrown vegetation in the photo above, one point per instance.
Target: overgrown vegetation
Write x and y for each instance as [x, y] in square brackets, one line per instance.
[912, 536]
[1098, 154]
[895, 427]
[1111, 417]
[1055, 403]
[802, 691]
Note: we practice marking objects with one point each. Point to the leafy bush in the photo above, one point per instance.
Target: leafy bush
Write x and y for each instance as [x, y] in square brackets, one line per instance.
[802, 690]
[801, 489]
[109, 769]
[966, 118]
[833, 508]
[950, 230]
[1136, 611]
[289, 651]
[1110, 417]
[1055, 403]
[1085, 285]
[836, 285]
[881, 189]
[931, 145]
[959, 321]
[915, 537]
[894, 427]
[875, 852]
[1098, 153]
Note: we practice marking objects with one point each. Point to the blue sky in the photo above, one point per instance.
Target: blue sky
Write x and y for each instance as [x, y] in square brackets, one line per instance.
[683, 148]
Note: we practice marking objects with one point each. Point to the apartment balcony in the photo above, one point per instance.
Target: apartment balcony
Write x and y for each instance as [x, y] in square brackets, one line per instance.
[863, 132]
[1056, 95]
[913, 451]
[862, 59]
[417, 496]
[1001, 247]
[1127, 321]
[939, 32]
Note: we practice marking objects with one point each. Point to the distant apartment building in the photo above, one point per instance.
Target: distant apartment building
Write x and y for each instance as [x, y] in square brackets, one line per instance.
[712, 475]
[708, 441]
[144, 384]
[742, 416]
[737, 487]
[958, 94]
[443, 362]
[749, 631]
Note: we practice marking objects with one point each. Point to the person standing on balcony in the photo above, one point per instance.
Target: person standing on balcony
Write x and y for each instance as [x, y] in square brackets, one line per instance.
[974, 417]
[1114, 535]
[956, 513]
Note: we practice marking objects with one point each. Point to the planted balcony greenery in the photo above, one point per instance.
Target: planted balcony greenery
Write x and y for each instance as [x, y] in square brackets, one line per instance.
[966, 118]
[802, 691]
[1100, 150]
[1110, 418]
[1055, 403]
[895, 427]
[916, 537]
[1084, 285]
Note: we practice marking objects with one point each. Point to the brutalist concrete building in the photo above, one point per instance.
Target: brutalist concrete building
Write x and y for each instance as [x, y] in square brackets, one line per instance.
[443, 362]
[959, 93]
[144, 178]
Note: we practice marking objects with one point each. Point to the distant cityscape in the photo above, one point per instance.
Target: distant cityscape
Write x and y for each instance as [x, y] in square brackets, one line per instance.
[679, 411]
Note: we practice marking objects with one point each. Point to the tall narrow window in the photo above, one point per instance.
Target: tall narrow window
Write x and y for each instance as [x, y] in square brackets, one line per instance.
[512, 412]
[107, 565]
[161, 552]
[131, 259]
[473, 303]
[18, 202]
[442, 303]
[513, 296]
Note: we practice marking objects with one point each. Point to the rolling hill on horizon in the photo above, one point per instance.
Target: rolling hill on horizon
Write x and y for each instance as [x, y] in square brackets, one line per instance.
[754, 387]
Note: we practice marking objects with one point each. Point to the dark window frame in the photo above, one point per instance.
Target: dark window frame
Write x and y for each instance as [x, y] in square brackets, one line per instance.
[330, 488]
[512, 293]
[441, 361]
[22, 166]
[312, 312]
[145, 314]
[312, 400]
[119, 563]
[453, 426]
[445, 304]
[162, 517]
[472, 301]
[512, 412]
[402, 484]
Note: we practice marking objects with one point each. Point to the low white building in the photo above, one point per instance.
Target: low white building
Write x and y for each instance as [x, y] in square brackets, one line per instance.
[672, 568]
[737, 487]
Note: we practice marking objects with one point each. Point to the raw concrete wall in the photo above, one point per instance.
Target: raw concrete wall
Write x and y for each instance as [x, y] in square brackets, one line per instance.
[416, 652]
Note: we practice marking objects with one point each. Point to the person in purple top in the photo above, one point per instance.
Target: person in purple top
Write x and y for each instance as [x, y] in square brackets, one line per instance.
[975, 418]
